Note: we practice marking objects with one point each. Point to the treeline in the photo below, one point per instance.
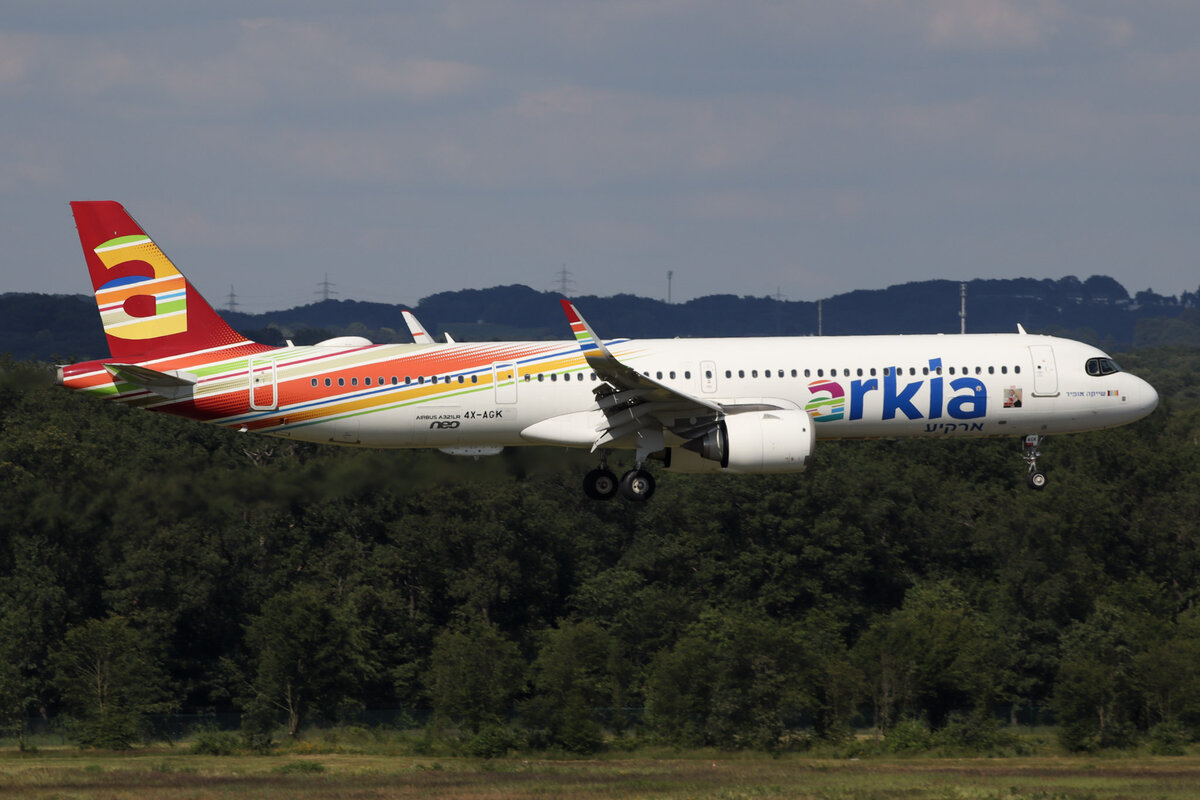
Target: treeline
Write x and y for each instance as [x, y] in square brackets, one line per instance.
[1097, 310]
[149, 564]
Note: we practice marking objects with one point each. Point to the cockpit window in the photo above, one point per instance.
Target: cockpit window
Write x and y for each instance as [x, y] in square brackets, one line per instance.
[1101, 366]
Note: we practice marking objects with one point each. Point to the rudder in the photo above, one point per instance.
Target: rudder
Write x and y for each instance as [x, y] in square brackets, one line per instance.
[148, 308]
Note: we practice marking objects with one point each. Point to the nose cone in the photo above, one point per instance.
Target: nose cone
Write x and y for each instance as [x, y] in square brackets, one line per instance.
[1144, 399]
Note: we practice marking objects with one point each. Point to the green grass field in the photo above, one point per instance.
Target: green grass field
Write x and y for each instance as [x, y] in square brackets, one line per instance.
[168, 774]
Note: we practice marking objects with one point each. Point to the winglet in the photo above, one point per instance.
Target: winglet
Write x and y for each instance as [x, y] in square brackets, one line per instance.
[416, 328]
[588, 341]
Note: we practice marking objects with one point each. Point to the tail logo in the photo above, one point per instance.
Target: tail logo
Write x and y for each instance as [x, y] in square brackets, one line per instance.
[137, 306]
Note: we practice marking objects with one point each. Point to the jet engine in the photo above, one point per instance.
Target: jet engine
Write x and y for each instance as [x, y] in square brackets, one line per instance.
[775, 440]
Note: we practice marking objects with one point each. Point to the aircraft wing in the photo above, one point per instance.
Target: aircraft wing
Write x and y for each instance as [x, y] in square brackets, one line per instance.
[635, 404]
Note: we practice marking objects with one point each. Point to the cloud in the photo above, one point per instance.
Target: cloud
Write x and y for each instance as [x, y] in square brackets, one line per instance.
[992, 24]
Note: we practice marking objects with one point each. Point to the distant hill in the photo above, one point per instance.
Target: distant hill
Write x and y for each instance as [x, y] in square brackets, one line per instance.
[1098, 310]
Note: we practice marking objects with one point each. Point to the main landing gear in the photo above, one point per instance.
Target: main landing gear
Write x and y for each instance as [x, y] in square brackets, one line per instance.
[601, 484]
[1035, 478]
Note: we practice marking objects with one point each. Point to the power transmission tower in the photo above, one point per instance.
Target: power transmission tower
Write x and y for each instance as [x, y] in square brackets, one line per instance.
[326, 288]
[231, 304]
[565, 285]
[670, 275]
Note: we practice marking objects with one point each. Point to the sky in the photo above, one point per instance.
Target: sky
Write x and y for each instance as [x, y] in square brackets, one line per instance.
[760, 147]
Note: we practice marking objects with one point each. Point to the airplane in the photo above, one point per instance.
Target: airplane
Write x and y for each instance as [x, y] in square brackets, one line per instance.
[735, 405]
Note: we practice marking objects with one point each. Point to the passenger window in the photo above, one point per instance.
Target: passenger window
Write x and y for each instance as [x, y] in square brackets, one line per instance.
[991, 370]
[924, 370]
[354, 381]
[658, 375]
[728, 374]
[872, 372]
[474, 379]
[672, 374]
[793, 373]
[1017, 369]
[367, 381]
[341, 381]
[1003, 370]
[820, 373]
[741, 373]
[314, 381]
[687, 374]
[541, 377]
[461, 379]
[328, 382]
[808, 373]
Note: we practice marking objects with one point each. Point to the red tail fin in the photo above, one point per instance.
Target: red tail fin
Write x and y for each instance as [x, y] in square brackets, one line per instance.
[148, 308]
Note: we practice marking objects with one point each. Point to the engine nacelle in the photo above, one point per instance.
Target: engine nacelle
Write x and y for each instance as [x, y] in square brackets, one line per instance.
[777, 440]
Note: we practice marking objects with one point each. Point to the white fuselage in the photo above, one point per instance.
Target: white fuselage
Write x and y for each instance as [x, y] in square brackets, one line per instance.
[852, 387]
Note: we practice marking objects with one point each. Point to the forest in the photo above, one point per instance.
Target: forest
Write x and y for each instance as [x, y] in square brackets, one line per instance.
[150, 565]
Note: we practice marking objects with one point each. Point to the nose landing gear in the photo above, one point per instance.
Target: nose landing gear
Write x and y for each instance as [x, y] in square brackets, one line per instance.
[1035, 477]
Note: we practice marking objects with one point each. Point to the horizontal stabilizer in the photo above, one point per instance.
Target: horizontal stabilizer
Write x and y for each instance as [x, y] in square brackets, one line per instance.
[173, 384]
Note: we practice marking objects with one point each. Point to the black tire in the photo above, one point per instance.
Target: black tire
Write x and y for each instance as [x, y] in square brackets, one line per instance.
[1036, 480]
[637, 485]
[600, 484]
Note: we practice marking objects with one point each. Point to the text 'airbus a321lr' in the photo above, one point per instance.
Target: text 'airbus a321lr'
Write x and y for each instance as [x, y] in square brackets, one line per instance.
[740, 405]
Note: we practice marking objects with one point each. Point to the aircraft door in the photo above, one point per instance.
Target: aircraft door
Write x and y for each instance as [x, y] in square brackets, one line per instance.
[708, 376]
[1045, 375]
[264, 386]
[504, 376]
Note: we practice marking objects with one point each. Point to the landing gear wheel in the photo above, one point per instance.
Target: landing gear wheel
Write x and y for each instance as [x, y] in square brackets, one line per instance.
[638, 485]
[600, 484]
[1030, 452]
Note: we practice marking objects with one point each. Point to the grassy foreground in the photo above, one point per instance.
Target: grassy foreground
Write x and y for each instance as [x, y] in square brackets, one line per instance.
[170, 774]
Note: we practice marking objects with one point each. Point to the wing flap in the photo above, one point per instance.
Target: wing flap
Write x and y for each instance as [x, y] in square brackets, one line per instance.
[634, 404]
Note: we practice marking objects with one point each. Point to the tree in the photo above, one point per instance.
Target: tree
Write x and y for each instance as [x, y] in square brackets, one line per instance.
[579, 671]
[474, 673]
[309, 655]
[933, 655]
[110, 674]
[732, 680]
